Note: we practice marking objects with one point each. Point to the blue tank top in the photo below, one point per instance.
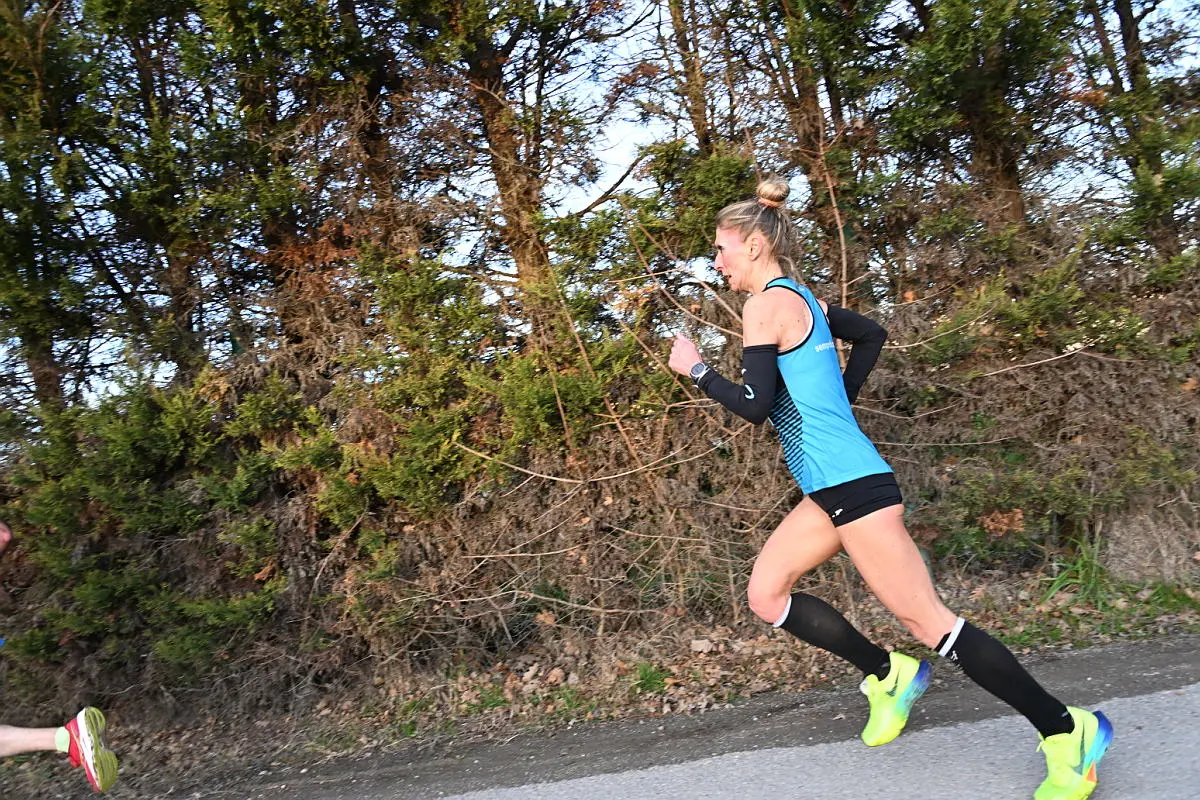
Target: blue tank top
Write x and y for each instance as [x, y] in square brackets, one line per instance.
[821, 440]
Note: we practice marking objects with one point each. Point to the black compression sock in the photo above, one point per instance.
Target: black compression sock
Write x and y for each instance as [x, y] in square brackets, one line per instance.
[993, 666]
[813, 620]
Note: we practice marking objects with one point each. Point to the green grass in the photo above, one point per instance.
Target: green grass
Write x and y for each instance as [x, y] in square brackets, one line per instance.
[650, 679]
[491, 696]
[1114, 610]
[334, 742]
[1082, 573]
[574, 704]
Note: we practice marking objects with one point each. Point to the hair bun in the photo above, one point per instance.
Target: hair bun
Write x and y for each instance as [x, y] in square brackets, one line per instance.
[772, 191]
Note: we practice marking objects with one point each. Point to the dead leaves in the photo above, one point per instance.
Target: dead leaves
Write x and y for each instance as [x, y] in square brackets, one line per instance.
[1000, 523]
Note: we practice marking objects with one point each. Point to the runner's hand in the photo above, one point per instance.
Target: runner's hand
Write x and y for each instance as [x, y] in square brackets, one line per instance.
[684, 355]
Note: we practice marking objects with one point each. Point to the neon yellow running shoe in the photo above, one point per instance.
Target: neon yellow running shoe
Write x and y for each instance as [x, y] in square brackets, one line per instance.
[1071, 758]
[89, 750]
[892, 698]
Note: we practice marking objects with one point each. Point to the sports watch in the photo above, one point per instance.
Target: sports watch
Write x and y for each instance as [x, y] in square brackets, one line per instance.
[698, 371]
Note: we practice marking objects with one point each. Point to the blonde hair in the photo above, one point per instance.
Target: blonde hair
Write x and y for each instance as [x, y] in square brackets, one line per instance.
[768, 215]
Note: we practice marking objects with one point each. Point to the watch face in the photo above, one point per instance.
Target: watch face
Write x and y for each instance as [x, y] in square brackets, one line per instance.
[698, 370]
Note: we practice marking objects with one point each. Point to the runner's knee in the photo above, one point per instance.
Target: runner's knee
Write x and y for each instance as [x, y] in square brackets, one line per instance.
[929, 626]
[767, 604]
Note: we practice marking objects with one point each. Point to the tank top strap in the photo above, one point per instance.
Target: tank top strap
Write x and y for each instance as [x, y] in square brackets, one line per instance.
[805, 293]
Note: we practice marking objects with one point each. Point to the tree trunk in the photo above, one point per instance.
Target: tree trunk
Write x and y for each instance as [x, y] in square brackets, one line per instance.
[182, 346]
[693, 90]
[994, 155]
[519, 183]
[43, 366]
[799, 92]
[375, 73]
[1162, 229]
[279, 226]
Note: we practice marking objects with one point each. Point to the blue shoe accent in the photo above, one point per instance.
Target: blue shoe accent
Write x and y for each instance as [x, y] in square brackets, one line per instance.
[920, 683]
[1104, 737]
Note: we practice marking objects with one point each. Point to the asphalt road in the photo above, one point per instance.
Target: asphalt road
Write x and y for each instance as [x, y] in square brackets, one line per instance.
[988, 759]
[960, 744]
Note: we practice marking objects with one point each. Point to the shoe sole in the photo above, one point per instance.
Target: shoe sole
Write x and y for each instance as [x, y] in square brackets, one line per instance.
[920, 683]
[916, 688]
[1104, 737]
[100, 763]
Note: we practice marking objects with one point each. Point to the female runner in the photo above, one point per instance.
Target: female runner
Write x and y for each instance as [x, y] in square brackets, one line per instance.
[791, 376]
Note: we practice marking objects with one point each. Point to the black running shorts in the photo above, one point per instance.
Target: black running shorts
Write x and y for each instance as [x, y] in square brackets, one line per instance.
[854, 499]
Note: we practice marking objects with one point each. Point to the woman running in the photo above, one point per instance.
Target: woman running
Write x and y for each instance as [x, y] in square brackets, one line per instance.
[791, 375]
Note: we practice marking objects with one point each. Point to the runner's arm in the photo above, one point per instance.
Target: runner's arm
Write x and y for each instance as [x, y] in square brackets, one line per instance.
[866, 338]
[753, 397]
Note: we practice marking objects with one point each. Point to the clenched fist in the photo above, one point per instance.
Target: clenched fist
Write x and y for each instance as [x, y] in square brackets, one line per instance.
[684, 355]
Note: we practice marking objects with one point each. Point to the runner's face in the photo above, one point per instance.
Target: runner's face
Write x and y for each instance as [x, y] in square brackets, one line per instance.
[732, 257]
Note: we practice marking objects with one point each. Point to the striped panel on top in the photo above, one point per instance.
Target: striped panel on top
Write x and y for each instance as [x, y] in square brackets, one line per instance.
[789, 422]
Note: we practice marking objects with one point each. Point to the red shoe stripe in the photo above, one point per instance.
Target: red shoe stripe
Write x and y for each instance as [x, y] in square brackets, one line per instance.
[74, 752]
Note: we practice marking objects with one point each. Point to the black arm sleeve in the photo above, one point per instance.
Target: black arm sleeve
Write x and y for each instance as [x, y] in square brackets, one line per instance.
[867, 339]
[752, 399]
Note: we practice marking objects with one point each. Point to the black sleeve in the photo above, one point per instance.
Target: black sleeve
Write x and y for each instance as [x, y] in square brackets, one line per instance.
[867, 339]
[752, 399]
